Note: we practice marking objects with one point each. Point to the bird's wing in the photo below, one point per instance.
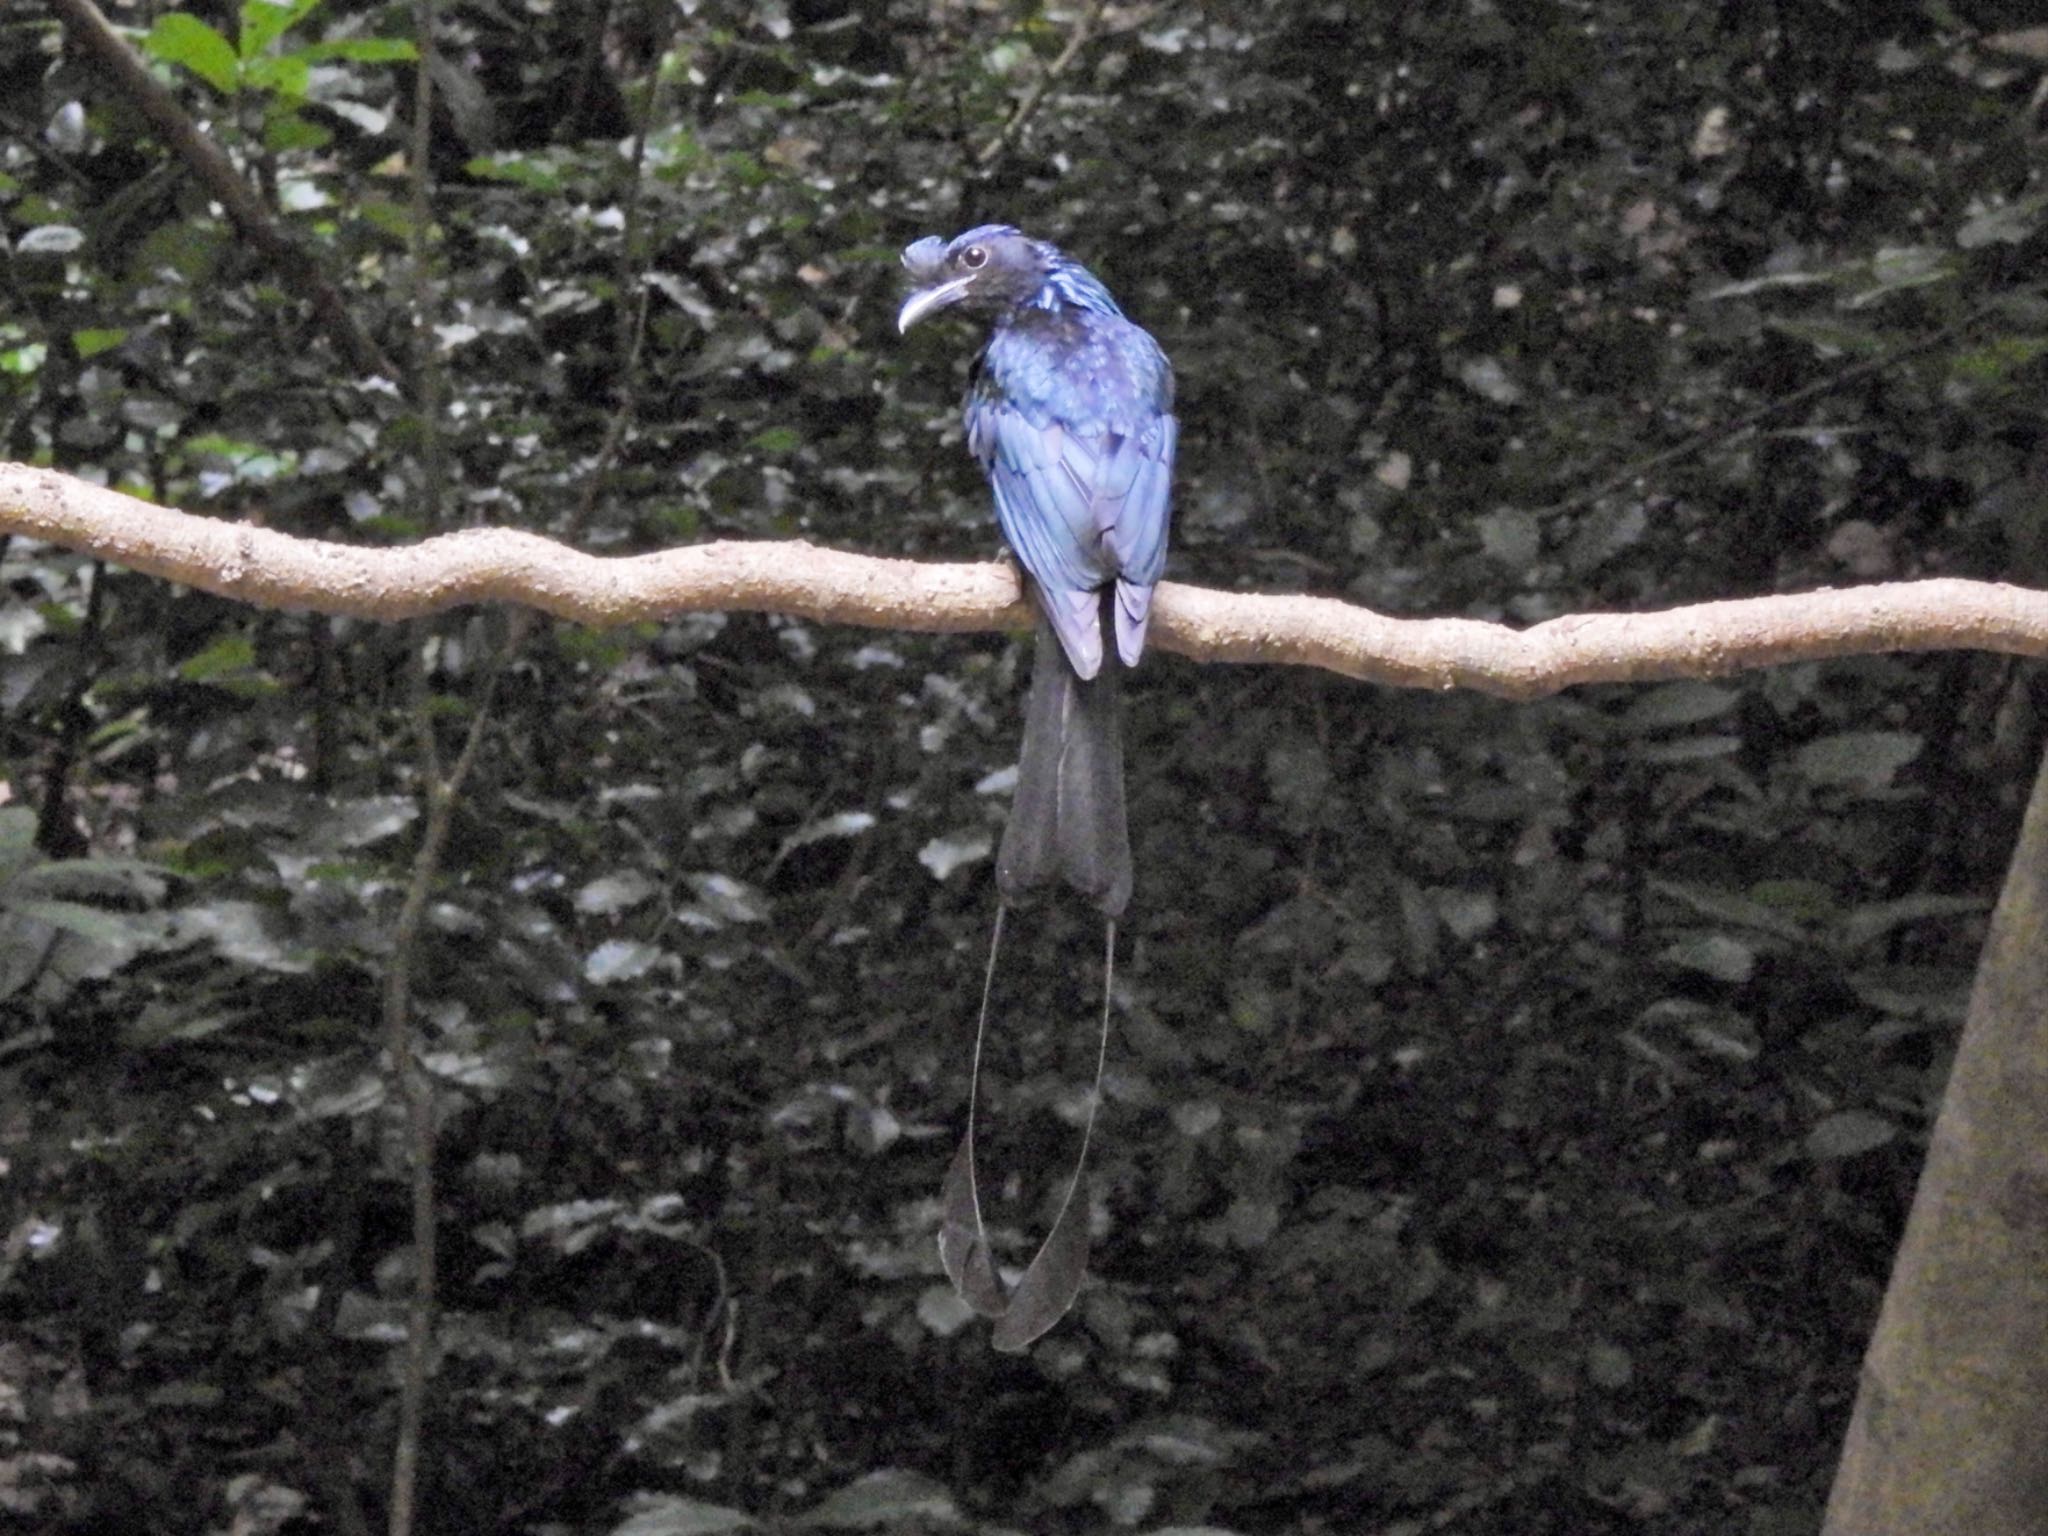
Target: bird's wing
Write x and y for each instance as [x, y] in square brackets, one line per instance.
[1117, 383]
[1135, 503]
[1043, 504]
[1071, 419]
[1136, 539]
[1042, 472]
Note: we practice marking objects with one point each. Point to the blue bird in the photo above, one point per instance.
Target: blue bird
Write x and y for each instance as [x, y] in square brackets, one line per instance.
[1070, 412]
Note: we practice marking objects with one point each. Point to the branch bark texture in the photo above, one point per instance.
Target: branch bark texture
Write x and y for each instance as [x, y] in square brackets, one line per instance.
[276, 570]
[1946, 1436]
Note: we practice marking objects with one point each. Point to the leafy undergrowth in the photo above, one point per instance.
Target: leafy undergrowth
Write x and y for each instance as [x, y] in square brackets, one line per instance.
[1512, 1109]
[1499, 1162]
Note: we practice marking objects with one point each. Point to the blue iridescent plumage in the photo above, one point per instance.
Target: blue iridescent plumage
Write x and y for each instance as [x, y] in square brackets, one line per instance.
[1071, 416]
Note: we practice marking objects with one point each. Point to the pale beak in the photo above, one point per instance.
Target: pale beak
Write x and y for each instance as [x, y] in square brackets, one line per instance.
[929, 300]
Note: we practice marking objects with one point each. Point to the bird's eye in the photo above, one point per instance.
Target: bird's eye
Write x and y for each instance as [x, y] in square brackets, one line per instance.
[974, 256]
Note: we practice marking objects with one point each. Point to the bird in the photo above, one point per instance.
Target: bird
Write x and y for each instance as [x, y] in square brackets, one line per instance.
[1069, 412]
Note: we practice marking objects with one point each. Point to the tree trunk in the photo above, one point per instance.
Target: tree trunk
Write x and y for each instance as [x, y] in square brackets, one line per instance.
[1950, 1432]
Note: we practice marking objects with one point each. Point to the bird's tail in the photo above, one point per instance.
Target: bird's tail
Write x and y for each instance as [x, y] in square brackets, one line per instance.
[1067, 819]
[1067, 822]
[1053, 1278]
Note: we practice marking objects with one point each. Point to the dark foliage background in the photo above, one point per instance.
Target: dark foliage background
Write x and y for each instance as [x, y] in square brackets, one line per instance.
[1512, 1107]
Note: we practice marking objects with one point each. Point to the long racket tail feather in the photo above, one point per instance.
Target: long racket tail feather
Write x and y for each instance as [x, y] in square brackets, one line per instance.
[1053, 1279]
[963, 1240]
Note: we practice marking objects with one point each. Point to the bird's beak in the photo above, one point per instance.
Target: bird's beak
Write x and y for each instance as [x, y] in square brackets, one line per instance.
[930, 300]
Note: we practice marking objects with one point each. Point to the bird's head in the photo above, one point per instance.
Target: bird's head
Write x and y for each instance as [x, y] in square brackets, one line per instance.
[988, 269]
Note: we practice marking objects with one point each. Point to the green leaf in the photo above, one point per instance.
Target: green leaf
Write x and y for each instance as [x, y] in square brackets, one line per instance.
[286, 76]
[284, 129]
[244, 932]
[1753, 910]
[265, 21]
[618, 960]
[1832, 338]
[745, 170]
[1858, 759]
[1997, 359]
[1898, 267]
[889, 1498]
[519, 169]
[50, 240]
[185, 248]
[119, 930]
[92, 341]
[182, 39]
[1674, 705]
[364, 50]
[358, 823]
[608, 895]
[597, 648]
[250, 461]
[1713, 954]
[1849, 1134]
[226, 656]
[385, 216]
[1867, 924]
[669, 1516]
[1769, 280]
[681, 521]
[60, 618]
[2008, 224]
[17, 839]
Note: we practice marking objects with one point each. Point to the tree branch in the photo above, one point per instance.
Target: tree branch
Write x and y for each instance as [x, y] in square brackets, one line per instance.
[1727, 431]
[96, 35]
[275, 570]
[1084, 29]
[439, 799]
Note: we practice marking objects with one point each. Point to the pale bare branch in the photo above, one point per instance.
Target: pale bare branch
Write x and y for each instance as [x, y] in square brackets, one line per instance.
[276, 570]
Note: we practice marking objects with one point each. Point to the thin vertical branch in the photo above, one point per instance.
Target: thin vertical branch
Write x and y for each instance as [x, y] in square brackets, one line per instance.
[443, 793]
[1729, 430]
[1027, 107]
[56, 834]
[416, 1092]
[426, 367]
